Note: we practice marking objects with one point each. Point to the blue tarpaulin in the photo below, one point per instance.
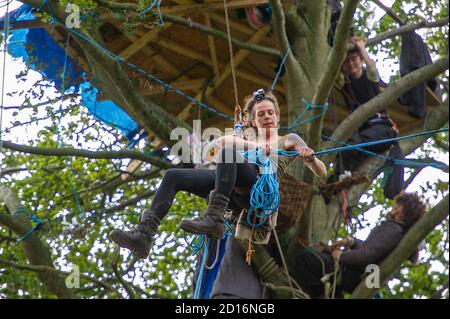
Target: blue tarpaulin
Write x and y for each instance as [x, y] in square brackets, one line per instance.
[42, 54]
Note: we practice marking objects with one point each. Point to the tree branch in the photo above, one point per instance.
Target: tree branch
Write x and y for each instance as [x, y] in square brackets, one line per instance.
[389, 11]
[125, 285]
[279, 26]
[411, 178]
[438, 294]
[12, 170]
[43, 268]
[194, 25]
[132, 201]
[48, 102]
[109, 185]
[263, 262]
[109, 75]
[295, 75]
[222, 35]
[88, 154]
[35, 251]
[406, 246]
[334, 61]
[405, 29]
[441, 144]
[433, 121]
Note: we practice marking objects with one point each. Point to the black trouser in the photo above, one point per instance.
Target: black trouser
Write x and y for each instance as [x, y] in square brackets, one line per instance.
[201, 182]
[350, 160]
[312, 266]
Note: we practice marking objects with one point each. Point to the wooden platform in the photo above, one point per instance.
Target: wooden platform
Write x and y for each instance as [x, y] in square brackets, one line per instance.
[199, 64]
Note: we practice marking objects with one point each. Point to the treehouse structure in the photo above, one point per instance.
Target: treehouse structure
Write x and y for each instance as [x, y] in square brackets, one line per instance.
[189, 51]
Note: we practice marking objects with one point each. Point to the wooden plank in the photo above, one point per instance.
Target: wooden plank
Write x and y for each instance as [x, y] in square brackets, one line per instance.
[184, 50]
[143, 40]
[160, 61]
[221, 106]
[217, 104]
[258, 79]
[187, 85]
[431, 98]
[210, 6]
[212, 47]
[61, 40]
[225, 72]
[233, 24]
[131, 168]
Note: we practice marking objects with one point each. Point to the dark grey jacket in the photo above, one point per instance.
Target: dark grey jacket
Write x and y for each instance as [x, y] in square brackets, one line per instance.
[381, 241]
[236, 280]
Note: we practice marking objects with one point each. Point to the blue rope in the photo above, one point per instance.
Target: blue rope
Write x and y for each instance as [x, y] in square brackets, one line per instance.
[272, 87]
[156, 3]
[196, 244]
[200, 274]
[356, 146]
[404, 162]
[140, 70]
[199, 242]
[309, 106]
[31, 230]
[264, 195]
[229, 231]
[39, 222]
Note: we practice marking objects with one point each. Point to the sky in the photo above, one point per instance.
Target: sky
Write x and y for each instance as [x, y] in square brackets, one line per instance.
[12, 67]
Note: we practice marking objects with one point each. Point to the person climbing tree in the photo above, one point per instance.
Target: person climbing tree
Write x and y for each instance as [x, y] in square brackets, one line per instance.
[359, 85]
[233, 178]
[313, 266]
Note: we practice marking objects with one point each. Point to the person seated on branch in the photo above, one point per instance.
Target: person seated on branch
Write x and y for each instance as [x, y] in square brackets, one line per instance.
[229, 184]
[358, 86]
[357, 254]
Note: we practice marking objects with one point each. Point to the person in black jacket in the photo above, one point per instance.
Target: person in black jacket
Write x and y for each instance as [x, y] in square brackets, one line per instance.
[414, 55]
[408, 209]
[359, 85]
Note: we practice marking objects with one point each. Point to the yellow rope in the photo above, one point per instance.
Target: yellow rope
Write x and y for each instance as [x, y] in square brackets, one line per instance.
[250, 250]
[230, 46]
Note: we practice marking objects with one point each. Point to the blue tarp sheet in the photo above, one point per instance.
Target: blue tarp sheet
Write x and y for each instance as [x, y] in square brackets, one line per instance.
[37, 48]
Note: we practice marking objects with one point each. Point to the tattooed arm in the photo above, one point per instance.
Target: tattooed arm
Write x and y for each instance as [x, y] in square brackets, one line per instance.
[293, 142]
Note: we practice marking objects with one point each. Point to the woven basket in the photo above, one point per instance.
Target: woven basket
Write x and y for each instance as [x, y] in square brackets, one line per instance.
[293, 198]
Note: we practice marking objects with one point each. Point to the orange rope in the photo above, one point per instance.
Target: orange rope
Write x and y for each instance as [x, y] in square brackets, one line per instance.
[237, 113]
[250, 250]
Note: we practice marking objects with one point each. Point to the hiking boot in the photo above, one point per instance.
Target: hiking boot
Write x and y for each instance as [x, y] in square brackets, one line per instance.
[138, 239]
[212, 223]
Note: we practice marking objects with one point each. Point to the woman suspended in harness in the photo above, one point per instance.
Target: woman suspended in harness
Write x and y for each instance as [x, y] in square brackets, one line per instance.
[359, 85]
[228, 186]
